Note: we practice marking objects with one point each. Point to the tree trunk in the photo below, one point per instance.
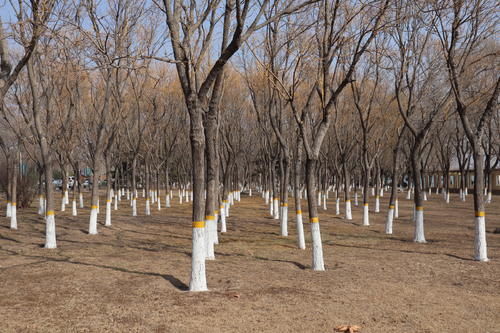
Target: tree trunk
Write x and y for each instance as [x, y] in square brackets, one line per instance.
[284, 194]
[480, 247]
[347, 196]
[13, 207]
[419, 236]
[298, 207]
[108, 192]
[50, 222]
[312, 193]
[198, 278]
[94, 198]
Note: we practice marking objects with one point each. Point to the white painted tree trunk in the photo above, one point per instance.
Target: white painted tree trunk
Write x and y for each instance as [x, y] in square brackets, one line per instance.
[317, 247]
[128, 194]
[158, 201]
[373, 191]
[447, 197]
[63, 204]
[209, 242]
[215, 228]
[425, 196]
[480, 247]
[191, 195]
[366, 215]
[143, 192]
[267, 197]
[98, 206]
[134, 207]
[382, 192]
[13, 216]
[271, 208]
[50, 230]
[276, 209]
[396, 209]
[93, 221]
[377, 204]
[301, 243]
[250, 192]
[226, 207]
[324, 202]
[388, 221]
[488, 198]
[223, 218]
[40, 205]
[107, 222]
[348, 210]
[198, 280]
[117, 197]
[148, 207]
[419, 236]
[81, 200]
[66, 197]
[167, 201]
[356, 199]
[408, 195]
[74, 212]
[284, 221]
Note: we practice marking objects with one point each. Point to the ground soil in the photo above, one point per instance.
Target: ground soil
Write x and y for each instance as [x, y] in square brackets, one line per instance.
[133, 276]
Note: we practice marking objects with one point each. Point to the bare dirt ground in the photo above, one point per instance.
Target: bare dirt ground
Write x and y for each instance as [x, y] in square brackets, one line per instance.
[133, 276]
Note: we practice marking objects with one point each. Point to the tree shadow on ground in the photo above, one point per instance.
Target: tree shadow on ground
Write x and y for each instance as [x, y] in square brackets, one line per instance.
[178, 284]
[398, 250]
[297, 264]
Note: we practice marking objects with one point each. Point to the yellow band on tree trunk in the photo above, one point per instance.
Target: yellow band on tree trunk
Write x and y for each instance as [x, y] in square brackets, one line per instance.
[50, 212]
[299, 212]
[13, 204]
[284, 205]
[365, 204]
[314, 220]
[420, 208]
[210, 217]
[198, 224]
[480, 213]
[391, 206]
[94, 207]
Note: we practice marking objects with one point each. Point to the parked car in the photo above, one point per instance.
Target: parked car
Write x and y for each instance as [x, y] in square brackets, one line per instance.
[57, 183]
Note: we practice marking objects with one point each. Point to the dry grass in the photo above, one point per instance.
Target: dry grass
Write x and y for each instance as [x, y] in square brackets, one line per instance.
[132, 276]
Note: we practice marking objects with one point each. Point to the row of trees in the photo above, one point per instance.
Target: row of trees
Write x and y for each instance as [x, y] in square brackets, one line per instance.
[270, 95]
